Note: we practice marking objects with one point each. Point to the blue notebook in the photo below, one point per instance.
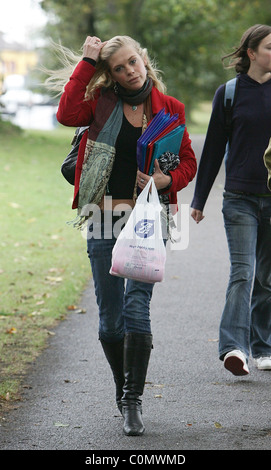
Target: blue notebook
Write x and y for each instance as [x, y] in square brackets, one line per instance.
[144, 138]
[171, 142]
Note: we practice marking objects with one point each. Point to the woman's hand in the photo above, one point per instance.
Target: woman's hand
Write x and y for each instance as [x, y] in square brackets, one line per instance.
[92, 47]
[160, 179]
[197, 215]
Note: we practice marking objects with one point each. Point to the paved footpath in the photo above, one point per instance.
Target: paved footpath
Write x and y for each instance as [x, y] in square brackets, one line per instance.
[190, 401]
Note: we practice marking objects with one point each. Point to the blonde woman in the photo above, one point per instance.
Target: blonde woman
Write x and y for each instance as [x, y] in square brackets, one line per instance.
[115, 89]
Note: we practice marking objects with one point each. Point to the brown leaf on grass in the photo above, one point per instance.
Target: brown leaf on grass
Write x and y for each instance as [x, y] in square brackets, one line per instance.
[11, 331]
[55, 270]
[53, 280]
[35, 313]
[76, 309]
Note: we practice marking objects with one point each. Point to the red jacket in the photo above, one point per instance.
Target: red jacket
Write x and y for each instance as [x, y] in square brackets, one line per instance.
[74, 111]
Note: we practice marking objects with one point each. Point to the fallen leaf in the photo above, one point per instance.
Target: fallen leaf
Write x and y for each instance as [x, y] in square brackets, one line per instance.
[52, 279]
[76, 309]
[61, 425]
[11, 331]
[14, 205]
[36, 312]
[46, 295]
[54, 270]
[218, 425]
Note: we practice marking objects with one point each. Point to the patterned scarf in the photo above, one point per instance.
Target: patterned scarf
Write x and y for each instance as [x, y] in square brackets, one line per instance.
[100, 147]
[99, 154]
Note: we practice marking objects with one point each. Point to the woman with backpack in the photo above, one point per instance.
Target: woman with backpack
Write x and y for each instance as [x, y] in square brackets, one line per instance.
[246, 320]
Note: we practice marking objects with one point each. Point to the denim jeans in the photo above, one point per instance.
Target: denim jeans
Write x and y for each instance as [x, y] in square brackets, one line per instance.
[246, 319]
[124, 306]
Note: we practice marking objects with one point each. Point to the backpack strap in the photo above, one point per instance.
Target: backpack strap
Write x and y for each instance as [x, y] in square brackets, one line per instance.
[229, 99]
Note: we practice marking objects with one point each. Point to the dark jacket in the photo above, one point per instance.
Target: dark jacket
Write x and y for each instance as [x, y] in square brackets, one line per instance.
[251, 131]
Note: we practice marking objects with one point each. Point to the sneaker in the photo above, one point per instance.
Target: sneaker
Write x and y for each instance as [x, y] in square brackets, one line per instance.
[263, 363]
[235, 361]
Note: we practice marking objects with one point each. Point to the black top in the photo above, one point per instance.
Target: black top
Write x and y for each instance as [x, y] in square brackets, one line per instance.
[122, 180]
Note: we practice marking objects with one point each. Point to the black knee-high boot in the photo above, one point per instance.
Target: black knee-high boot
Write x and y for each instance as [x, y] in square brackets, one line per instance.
[137, 349]
[114, 355]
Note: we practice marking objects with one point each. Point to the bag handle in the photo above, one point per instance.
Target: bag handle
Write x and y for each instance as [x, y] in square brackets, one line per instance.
[147, 196]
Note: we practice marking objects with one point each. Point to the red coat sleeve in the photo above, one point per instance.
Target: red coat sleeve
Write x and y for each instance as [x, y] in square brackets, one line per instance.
[187, 168]
[73, 109]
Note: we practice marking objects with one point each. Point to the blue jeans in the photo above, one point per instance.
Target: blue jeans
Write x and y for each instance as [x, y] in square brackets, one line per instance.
[121, 308]
[246, 319]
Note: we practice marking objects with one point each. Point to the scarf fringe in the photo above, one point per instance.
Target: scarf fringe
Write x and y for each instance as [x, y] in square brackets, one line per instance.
[79, 222]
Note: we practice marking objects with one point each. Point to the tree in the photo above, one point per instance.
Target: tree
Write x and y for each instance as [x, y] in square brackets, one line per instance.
[187, 38]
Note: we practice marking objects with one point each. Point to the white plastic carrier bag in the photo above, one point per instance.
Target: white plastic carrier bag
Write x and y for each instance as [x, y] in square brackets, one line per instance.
[139, 252]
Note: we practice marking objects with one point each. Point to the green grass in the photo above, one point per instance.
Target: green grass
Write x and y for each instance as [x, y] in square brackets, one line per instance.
[43, 263]
[200, 118]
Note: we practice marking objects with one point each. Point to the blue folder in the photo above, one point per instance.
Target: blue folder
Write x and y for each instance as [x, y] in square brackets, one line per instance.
[159, 123]
[153, 128]
[171, 142]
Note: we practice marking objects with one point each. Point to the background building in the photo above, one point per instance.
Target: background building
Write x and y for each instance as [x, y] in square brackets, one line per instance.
[15, 59]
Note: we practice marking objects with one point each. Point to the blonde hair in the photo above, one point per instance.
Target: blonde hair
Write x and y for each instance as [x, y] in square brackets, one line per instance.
[57, 79]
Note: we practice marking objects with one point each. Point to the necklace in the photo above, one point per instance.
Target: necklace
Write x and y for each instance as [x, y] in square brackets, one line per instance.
[134, 108]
